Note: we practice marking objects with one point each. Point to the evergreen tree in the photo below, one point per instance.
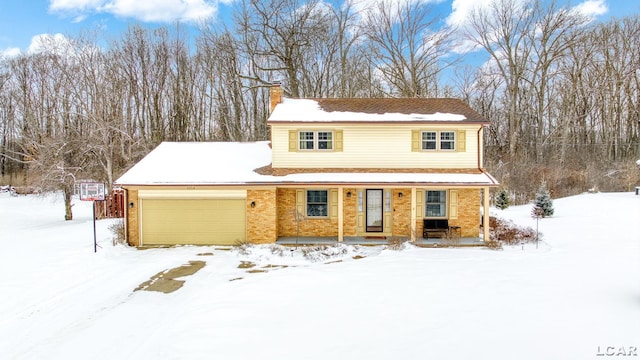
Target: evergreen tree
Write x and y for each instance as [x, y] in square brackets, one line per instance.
[502, 199]
[543, 204]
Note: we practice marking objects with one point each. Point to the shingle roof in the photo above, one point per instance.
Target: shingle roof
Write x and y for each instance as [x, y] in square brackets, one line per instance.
[375, 110]
[231, 163]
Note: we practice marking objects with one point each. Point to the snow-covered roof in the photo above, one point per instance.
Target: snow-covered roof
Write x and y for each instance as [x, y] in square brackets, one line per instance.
[375, 110]
[235, 163]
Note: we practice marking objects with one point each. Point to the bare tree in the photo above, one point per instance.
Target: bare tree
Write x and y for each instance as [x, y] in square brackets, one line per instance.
[406, 49]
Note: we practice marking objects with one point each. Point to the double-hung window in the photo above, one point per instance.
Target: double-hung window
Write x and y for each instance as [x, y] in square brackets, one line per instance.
[315, 140]
[447, 140]
[307, 140]
[438, 140]
[429, 141]
[436, 204]
[317, 203]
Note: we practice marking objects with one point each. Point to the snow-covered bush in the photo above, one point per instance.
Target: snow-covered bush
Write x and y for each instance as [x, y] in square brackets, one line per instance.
[118, 230]
[325, 252]
[395, 243]
[507, 232]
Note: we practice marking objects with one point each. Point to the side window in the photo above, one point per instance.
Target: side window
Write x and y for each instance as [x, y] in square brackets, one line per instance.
[317, 203]
[428, 140]
[325, 140]
[447, 140]
[315, 140]
[306, 140]
[436, 203]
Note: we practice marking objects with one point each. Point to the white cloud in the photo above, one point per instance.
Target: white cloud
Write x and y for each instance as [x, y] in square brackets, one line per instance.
[460, 10]
[74, 5]
[148, 11]
[592, 8]
[10, 52]
[51, 43]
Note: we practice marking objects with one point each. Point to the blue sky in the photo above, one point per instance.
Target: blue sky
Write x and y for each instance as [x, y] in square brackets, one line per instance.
[22, 21]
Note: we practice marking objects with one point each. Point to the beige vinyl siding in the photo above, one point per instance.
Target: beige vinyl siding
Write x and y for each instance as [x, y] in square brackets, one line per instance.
[374, 146]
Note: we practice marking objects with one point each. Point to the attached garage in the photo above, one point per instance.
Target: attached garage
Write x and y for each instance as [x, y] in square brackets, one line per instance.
[192, 217]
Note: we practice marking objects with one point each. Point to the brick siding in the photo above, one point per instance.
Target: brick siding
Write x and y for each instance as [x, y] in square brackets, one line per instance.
[261, 219]
[133, 235]
[308, 226]
[401, 212]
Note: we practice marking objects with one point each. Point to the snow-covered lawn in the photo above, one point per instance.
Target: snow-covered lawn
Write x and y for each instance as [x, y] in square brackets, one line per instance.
[576, 296]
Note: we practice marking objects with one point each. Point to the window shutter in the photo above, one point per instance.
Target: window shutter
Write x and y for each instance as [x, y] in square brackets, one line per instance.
[461, 146]
[338, 140]
[416, 140]
[300, 200]
[419, 204]
[333, 203]
[453, 204]
[293, 141]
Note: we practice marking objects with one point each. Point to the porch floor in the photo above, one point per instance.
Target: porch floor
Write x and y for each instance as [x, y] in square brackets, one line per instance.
[362, 240]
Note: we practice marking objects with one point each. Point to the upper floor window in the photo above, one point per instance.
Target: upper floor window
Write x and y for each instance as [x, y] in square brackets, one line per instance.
[429, 140]
[438, 140]
[307, 140]
[447, 140]
[315, 140]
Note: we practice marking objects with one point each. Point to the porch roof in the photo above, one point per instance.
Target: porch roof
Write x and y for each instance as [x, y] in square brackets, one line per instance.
[236, 163]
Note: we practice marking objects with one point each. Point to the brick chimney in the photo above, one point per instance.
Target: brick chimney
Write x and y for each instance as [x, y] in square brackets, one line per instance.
[275, 95]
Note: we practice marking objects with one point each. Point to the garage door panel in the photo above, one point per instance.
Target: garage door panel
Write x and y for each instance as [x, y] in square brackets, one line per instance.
[193, 221]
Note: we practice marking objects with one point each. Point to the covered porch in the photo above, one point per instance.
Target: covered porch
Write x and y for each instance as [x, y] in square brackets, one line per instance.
[376, 214]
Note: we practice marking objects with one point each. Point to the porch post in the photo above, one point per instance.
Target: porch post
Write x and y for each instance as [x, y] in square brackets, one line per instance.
[413, 215]
[340, 214]
[485, 217]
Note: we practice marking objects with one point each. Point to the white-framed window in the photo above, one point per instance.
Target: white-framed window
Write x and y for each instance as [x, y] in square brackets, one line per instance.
[317, 203]
[315, 140]
[429, 141]
[307, 140]
[447, 140]
[438, 140]
[436, 203]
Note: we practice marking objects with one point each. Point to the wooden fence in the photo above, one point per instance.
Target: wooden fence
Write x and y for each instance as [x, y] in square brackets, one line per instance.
[112, 207]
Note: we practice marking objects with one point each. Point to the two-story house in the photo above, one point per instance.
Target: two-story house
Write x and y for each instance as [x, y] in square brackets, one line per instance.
[334, 169]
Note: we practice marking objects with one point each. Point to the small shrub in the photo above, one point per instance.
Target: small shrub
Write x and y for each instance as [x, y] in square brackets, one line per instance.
[324, 252]
[502, 199]
[118, 230]
[395, 243]
[509, 233]
[543, 204]
[243, 247]
[277, 250]
[494, 244]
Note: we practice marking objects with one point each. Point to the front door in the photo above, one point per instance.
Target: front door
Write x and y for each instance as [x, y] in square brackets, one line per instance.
[374, 210]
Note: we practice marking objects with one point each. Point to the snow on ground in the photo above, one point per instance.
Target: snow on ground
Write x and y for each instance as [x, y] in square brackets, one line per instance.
[573, 297]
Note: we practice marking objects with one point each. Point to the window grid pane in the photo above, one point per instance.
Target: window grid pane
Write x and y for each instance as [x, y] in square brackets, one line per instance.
[436, 204]
[447, 140]
[428, 140]
[325, 140]
[317, 205]
[306, 140]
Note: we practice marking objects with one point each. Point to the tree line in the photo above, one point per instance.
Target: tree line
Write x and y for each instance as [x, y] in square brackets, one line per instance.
[561, 92]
